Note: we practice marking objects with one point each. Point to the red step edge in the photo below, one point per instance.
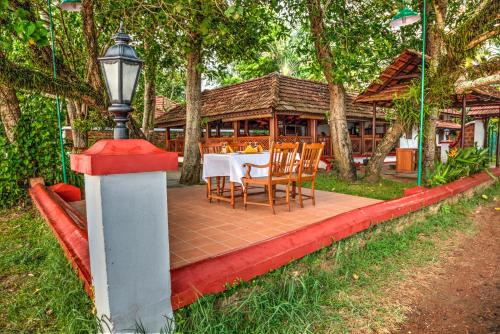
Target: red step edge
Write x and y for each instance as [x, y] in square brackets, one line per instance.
[72, 239]
[212, 275]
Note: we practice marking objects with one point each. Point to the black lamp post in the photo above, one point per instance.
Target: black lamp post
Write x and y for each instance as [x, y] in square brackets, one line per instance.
[121, 68]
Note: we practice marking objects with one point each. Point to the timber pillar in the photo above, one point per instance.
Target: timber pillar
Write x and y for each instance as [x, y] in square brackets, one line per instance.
[126, 203]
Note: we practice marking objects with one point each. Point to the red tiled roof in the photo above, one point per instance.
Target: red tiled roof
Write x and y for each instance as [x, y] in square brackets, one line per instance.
[261, 96]
[447, 125]
[162, 105]
[396, 79]
[478, 111]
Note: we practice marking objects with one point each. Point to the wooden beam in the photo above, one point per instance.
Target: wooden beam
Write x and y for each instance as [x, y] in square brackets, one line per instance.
[374, 122]
[407, 76]
[236, 128]
[497, 163]
[273, 122]
[462, 129]
[313, 125]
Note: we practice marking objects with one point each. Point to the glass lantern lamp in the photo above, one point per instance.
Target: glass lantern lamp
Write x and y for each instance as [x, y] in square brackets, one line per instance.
[121, 68]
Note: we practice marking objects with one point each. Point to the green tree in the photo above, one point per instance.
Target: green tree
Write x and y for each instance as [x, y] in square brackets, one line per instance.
[350, 39]
[207, 33]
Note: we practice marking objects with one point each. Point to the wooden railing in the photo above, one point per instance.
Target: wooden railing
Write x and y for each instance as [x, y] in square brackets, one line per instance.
[175, 145]
[295, 139]
[359, 146]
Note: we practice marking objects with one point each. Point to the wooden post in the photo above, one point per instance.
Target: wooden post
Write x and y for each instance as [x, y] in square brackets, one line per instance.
[374, 125]
[246, 128]
[497, 163]
[462, 128]
[313, 124]
[168, 134]
[272, 128]
[362, 132]
[207, 131]
[236, 128]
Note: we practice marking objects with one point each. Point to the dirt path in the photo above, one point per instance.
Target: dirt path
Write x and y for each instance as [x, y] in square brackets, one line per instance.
[464, 297]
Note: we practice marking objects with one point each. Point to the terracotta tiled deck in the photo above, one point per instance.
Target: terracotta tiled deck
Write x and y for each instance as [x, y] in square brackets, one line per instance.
[200, 230]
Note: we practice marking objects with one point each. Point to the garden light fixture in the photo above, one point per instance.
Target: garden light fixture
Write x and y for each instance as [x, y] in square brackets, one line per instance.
[121, 68]
[71, 5]
[405, 17]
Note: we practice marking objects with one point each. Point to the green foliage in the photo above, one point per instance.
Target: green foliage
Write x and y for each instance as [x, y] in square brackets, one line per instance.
[34, 153]
[40, 291]
[460, 163]
[19, 20]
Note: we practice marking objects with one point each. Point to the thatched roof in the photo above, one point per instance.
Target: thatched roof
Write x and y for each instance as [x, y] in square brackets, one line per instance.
[396, 79]
[260, 97]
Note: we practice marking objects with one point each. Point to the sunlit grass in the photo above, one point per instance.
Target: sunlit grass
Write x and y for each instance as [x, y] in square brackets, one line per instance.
[384, 189]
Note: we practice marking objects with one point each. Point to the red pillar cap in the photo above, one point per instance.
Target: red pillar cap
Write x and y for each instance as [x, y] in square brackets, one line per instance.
[122, 156]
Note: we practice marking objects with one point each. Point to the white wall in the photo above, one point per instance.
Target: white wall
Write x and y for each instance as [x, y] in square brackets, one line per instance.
[409, 143]
[479, 133]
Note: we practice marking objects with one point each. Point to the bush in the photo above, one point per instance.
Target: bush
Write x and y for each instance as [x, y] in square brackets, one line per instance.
[461, 163]
[35, 152]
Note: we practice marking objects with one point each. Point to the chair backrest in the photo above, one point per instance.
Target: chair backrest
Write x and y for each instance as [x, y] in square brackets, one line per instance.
[207, 148]
[282, 159]
[309, 160]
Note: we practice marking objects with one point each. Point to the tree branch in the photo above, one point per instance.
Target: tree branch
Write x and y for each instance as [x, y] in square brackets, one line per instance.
[483, 37]
[23, 78]
[465, 86]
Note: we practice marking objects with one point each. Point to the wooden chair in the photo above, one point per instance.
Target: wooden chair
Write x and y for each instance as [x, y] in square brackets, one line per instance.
[213, 148]
[280, 168]
[306, 170]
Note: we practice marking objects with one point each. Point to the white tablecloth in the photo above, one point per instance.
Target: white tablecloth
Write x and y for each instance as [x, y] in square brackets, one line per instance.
[232, 165]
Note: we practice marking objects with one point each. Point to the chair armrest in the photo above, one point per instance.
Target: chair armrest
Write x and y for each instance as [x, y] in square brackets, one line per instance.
[249, 166]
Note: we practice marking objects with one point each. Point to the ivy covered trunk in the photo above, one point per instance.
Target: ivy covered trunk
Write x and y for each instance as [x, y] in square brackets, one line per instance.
[389, 141]
[75, 113]
[191, 164]
[10, 112]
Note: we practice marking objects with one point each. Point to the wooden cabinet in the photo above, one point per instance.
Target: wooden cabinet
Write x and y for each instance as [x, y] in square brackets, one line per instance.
[406, 160]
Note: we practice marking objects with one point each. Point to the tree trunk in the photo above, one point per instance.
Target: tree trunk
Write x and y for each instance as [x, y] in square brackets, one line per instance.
[341, 142]
[191, 165]
[10, 112]
[93, 74]
[430, 141]
[386, 145]
[80, 138]
[149, 96]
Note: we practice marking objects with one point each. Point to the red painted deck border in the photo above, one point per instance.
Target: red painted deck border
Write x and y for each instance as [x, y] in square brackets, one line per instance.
[211, 275]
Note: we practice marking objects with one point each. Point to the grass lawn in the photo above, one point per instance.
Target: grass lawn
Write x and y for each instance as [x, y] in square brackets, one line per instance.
[385, 189]
[39, 291]
[335, 290]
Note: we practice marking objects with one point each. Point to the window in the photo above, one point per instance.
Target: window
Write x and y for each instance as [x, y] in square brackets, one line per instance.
[292, 126]
[254, 127]
[220, 129]
[354, 128]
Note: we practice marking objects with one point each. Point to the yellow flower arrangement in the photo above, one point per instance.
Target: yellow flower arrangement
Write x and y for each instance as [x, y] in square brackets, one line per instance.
[453, 152]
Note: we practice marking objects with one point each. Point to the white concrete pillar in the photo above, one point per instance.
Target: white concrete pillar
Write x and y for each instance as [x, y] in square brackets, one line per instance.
[479, 133]
[126, 202]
